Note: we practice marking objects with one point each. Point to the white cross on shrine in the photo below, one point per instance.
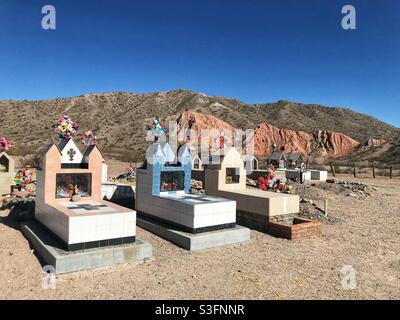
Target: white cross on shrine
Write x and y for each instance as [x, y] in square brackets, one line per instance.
[71, 152]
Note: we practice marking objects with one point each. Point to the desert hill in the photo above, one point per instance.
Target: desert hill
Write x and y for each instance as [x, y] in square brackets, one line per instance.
[118, 118]
[383, 154]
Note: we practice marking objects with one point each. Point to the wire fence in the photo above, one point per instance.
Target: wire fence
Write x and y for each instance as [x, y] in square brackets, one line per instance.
[372, 171]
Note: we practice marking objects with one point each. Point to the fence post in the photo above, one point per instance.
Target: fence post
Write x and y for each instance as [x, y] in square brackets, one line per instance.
[354, 170]
[373, 171]
[391, 172]
[332, 169]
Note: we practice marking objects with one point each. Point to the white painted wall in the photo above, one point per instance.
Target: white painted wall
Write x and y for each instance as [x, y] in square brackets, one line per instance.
[65, 158]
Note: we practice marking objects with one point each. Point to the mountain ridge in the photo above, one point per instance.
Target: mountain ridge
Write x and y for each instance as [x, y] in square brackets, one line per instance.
[119, 117]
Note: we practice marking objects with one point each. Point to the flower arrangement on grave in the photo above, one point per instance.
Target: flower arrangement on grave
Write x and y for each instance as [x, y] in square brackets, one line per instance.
[5, 144]
[222, 140]
[288, 188]
[157, 128]
[131, 171]
[71, 188]
[219, 142]
[23, 178]
[169, 186]
[269, 182]
[66, 128]
[89, 138]
[74, 192]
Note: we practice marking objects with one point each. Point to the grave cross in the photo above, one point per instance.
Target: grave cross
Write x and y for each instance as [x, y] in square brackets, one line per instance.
[89, 207]
[71, 152]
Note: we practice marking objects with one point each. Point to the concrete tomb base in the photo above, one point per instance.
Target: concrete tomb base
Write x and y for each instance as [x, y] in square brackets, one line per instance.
[193, 241]
[50, 251]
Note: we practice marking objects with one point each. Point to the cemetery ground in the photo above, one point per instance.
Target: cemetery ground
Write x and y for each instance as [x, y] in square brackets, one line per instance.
[364, 233]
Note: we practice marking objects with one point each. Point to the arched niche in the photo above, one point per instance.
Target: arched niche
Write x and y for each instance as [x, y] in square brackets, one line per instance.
[4, 163]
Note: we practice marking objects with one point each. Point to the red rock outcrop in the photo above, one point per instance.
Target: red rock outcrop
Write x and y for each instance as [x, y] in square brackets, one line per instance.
[339, 145]
[198, 121]
[265, 135]
[371, 143]
[201, 121]
[323, 143]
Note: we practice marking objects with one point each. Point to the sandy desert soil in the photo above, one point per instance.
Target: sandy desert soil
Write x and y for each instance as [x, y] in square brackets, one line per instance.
[366, 238]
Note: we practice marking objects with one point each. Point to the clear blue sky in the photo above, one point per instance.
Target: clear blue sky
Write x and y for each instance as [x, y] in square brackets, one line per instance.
[256, 51]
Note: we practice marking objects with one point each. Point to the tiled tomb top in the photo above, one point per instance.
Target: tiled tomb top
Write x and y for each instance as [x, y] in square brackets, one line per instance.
[70, 208]
[87, 207]
[192, 198]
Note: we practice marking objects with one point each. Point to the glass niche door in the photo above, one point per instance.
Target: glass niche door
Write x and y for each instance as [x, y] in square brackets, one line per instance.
[172, 181]
[232, 175]
[69, 183]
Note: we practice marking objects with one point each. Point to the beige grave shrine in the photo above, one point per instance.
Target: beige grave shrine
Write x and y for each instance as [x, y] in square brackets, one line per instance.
[7, 173]
[254, 206]
[250, 163]
[197, 163]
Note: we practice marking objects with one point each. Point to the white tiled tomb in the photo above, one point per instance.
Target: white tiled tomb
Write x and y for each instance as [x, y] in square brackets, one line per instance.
[90, 222]
[318, 175]
[162, 192]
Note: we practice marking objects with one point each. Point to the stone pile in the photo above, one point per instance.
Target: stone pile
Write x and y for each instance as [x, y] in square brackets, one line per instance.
[310, 210]
[196, 187]
[356, 189]
[251, 182]
[196, 184]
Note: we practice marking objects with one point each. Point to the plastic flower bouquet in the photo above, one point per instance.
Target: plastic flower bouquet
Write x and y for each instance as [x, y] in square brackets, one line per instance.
[65, 127]
[89, 138]
[157, 128]
[5, 144]
[23, 177]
